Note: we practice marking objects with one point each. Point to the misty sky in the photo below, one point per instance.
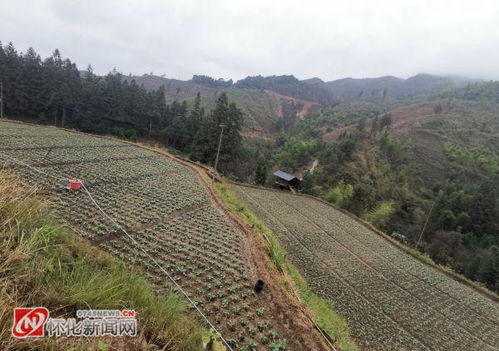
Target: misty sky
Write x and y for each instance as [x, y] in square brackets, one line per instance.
[234, 39]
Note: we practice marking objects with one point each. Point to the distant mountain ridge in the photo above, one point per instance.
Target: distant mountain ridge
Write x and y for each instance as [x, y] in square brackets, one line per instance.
[263, 99]
[393, 87]
[313, 89]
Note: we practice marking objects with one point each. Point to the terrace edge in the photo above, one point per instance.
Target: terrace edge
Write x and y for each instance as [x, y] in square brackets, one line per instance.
[414, 253]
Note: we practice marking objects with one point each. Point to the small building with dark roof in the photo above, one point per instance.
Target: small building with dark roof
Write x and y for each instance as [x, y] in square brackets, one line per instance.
[286, 180]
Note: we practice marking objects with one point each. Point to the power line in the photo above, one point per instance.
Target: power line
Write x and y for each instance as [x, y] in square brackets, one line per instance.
[15, 160]
[219, 145]
[424, 226]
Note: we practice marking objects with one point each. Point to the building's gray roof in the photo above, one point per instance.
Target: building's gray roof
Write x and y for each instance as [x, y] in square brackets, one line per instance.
[283, 175]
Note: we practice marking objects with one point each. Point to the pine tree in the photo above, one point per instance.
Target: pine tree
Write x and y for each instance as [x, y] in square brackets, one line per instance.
[206, 141]
[53, 80]
[194, 120]
[374, 126]
[2, 67]
[11, 71]
[70, 89]
[89, 101]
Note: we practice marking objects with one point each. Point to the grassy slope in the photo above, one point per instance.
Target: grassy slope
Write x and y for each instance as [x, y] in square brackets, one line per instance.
[42, 264]
[323, 312]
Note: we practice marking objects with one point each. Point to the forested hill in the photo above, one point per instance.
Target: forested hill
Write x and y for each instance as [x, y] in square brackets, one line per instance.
[392, 87]
[285, 85]
[53, 91]
[314, 89]
[175, 90]
[274, 103]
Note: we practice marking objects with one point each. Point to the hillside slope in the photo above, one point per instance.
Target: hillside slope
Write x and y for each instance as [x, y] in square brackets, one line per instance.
[426, 126]
[273, 104]
[168, 209]
[391, 300]
[422, 84]
[430, 126]
[30, 243]
[264, 111]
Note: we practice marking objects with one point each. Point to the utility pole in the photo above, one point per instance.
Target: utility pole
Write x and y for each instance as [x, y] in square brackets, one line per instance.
[425, 223]
[1, 99]
[219, 145]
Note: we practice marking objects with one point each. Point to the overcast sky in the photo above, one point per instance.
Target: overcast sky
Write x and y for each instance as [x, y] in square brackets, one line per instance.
[236, 38]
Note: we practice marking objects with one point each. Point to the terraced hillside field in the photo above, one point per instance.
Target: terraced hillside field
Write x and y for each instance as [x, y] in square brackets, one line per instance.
[166, 208]
[390, 300]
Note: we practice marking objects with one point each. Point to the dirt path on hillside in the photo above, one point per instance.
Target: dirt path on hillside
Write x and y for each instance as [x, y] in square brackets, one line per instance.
[293, 317]
[306, 104]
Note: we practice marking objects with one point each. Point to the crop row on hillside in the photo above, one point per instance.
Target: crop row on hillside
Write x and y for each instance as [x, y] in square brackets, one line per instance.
[390, 300]
[30, 243]
[163, 206]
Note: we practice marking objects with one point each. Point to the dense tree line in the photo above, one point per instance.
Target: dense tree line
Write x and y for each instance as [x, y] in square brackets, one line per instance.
[291, 86]
[211, 82]
[462, 229]
[53, 91]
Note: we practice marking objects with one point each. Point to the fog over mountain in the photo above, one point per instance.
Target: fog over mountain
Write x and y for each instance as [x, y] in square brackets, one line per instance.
[325, 39]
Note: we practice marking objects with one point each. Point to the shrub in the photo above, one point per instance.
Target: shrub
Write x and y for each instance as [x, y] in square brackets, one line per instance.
[340, 194]
[380, 215]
